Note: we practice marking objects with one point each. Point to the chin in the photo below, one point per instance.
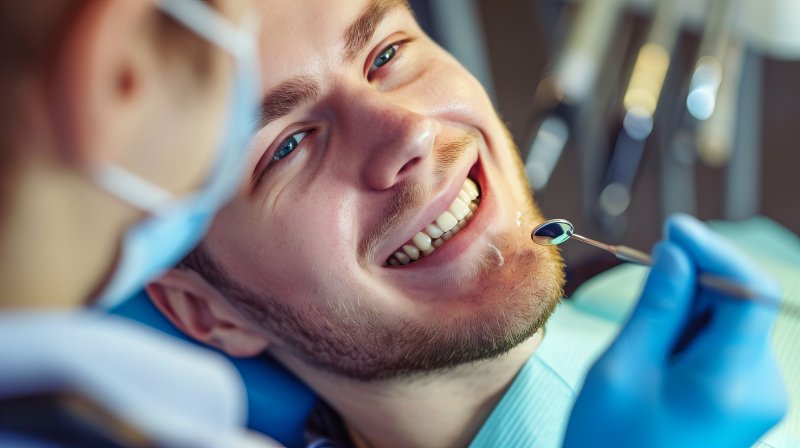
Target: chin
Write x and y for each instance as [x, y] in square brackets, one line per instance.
[513, 291]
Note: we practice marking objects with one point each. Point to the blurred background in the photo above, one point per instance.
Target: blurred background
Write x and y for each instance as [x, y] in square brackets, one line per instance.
[629, 110]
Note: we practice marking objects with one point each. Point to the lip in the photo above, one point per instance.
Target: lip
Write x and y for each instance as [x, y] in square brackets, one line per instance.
[430, 212]
[456, 247]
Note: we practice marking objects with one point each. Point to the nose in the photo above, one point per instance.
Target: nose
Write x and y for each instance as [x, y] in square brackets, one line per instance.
[391, 140]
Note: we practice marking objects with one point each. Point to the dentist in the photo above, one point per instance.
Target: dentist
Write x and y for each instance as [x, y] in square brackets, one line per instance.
[124, 127]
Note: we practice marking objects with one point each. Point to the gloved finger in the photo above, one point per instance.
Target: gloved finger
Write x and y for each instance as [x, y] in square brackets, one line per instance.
[734, 378]
[712, 254]
[720, 353]
[664, 306]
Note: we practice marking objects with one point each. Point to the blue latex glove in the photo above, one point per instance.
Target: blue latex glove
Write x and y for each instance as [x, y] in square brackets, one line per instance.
[665, 382]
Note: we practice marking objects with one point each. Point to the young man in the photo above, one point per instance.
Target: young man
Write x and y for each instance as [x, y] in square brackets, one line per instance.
[381, 251]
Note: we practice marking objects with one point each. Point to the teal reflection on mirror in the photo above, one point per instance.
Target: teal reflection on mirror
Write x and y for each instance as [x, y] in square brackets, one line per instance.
[552, 232]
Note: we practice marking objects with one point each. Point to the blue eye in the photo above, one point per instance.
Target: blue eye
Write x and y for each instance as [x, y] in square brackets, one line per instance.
[384, 56]
[289, 145]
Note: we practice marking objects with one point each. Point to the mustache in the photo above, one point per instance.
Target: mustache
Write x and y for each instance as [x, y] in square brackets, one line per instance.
[449, 153]
[411, 195]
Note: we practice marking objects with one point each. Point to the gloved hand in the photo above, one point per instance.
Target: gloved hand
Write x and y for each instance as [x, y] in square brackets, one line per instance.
[667, 381]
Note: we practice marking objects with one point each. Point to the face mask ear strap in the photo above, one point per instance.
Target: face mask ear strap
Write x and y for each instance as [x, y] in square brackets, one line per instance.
[203, 20]
[132, 189]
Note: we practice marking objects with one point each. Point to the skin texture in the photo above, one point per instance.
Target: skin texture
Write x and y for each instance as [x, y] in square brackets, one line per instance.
[296, 264]
[118, 84]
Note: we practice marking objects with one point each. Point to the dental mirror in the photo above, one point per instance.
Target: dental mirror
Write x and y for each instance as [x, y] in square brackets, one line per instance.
[556, 231]
[552, 232]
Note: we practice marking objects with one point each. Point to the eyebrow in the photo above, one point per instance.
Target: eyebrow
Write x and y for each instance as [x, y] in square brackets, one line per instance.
[282, 100]
[359, 33]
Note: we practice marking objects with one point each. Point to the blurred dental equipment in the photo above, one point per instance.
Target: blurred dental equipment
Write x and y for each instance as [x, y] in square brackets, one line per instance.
[716, 59]
[554, 232]
[707, 75]
[571, 84]
[640, 100]
[674, 88]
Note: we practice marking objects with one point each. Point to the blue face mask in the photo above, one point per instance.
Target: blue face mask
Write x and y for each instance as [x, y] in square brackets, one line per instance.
[175, 225]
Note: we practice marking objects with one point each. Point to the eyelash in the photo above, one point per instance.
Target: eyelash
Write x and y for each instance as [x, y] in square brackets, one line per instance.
[391, 50]
[396, 48]
[293, 140]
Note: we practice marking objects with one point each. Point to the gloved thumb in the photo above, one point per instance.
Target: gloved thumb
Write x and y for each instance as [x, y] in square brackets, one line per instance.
[663, 308]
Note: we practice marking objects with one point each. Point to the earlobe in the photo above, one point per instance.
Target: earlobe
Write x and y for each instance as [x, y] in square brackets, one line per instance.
[199, 310]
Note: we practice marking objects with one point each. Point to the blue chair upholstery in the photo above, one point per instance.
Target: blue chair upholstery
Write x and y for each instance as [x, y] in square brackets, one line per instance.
[277, 402]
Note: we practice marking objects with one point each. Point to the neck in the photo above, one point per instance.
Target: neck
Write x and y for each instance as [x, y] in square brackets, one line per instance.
[56, 240]
[441, 409]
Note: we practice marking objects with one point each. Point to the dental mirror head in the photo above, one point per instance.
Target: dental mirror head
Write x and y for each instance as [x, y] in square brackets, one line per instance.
[552, 232]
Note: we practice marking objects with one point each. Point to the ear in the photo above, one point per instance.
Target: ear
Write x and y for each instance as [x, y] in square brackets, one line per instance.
[97, 74]
[198, 309]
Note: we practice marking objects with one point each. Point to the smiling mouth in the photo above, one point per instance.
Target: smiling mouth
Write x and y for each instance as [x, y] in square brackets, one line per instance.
[442, 229]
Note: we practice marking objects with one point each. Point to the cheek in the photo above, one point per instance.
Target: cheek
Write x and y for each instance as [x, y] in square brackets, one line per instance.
[452, 93]
[454, 96]
[320, 221]
[309, 240]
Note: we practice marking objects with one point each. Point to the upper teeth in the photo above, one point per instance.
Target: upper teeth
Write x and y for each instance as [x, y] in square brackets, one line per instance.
[449, 223]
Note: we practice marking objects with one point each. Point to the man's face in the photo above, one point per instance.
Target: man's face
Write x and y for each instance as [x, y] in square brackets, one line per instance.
[370, 133]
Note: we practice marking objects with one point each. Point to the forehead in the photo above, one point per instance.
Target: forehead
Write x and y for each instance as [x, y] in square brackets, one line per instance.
[303, 36]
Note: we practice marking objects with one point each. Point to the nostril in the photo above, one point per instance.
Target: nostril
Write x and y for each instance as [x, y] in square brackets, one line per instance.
[410, 164]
